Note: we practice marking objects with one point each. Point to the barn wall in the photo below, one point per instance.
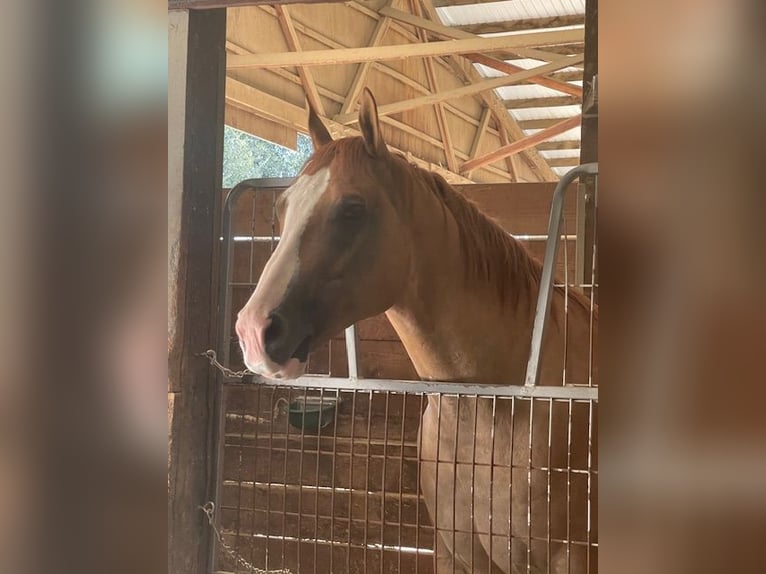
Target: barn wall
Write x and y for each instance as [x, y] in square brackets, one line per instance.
[522, 209]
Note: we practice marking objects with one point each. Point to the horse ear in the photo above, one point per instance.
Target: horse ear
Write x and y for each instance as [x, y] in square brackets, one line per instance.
[370, 125]
[319, 135]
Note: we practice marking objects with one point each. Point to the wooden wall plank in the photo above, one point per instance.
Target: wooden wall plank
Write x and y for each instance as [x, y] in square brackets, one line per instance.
[191, 461]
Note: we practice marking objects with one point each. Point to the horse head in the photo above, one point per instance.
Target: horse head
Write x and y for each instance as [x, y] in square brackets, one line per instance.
[342, 254]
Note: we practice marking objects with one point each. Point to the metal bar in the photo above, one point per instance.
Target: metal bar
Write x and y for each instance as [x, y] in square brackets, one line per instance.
[551, 249]
[433, 387]
[352, 352]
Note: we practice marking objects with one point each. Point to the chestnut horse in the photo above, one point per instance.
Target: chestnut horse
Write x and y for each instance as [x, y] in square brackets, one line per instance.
[365, 232]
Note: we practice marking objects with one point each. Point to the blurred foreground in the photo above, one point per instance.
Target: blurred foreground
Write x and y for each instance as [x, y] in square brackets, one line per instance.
[83, 418]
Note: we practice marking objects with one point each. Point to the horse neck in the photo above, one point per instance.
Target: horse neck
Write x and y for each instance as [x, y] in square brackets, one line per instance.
[452, 328]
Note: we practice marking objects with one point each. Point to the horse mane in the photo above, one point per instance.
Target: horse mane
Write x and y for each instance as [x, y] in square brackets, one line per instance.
[493, 257]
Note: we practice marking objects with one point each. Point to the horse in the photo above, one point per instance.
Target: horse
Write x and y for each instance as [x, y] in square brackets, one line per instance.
[364, 232]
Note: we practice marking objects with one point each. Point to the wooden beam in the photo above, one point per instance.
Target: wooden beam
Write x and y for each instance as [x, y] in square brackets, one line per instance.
[433, 85]
[507, 127]
[538, 124]
[469, 90]
[563, 161]
[360, 78]
[496, 63]
[291, 37]
[526, 103]
[399, 52]
[270, 107]
[519, 25]
[207, 4]
[380, 66]
[483, 123]
[586, 206]
[545, 81]
[520, 145]
[568, 144]
[570, 76]
[193, 214]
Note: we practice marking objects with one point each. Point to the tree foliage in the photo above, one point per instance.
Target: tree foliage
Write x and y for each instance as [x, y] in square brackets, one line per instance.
[246, 156]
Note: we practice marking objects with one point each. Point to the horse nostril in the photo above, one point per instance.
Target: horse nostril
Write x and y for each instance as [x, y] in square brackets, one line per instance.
[275, 332]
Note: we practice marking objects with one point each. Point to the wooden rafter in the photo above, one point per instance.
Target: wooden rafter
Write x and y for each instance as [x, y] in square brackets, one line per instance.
[546, 81]
[207, 4]
[433, 85]
[364, 68]
[480, 131]
[539, 124]
[525, 103]
[291, 37]
[512, 161]
[496, 63]
[519, 25]
[564, 161]
[398, 52]
[382, 67]
[253, 100]
[522, 144]
[469, 90]
[507, 126]
[568, 144]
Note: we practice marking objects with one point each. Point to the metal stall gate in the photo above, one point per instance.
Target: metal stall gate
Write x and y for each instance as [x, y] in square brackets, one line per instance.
[323, 474]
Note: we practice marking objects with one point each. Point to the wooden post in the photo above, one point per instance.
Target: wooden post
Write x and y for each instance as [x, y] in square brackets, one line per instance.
[197, 66]
[586, 212]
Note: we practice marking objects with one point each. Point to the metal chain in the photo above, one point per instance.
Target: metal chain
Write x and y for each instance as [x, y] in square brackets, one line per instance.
[209, 510]
[213, 358]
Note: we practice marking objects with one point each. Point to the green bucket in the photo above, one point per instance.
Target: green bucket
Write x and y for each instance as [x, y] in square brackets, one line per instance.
[310, 413]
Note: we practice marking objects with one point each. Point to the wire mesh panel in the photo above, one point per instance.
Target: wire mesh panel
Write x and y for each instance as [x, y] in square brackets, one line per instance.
[344, 488]
[358, 475]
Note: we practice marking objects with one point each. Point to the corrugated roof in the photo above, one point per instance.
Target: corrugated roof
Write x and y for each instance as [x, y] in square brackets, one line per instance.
[511, 11]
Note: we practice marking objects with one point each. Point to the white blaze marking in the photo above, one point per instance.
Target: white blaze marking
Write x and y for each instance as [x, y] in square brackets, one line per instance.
[302, 197]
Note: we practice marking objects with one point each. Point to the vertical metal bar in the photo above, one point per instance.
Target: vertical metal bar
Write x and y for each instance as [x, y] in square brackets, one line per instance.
[332, 479]
[259, 389]
[352, 352]
[284, 479]
[274, 405]
[569, 485]
[510, 471]
[529, 483]
[436, 486]
[401, 482]
[419, 440]
[316, 480]
[473, 478]
[590, 475]
[300, 482]
[593, 280]
[367, 484]
[548, 485]
[492, 476]
[546, 280]
[383, 486]
[224, 327]
[454, 477]
[351, 481]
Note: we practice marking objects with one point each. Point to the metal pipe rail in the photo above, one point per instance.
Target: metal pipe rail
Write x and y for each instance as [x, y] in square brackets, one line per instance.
[546, 281]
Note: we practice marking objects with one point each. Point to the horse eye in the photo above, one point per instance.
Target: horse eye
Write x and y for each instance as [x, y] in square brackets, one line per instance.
[351, 211]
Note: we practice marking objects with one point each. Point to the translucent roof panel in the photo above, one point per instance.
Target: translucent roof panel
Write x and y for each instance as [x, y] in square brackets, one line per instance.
[523, 91]
[550, 113]
[509, 10]
[560, 153]
[573, 134]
